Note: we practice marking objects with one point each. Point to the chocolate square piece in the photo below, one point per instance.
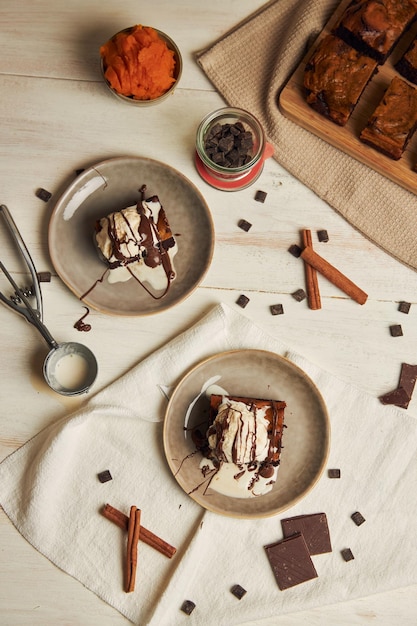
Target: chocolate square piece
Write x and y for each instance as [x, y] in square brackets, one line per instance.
[105, 476]
[333, 473]
[238, 591]
[276, 309]
[323, 235]
[43, 194]
[188, 607]
[260, 196]
[358, 518]
[404, 307]
[314, 529]
[396, 330]
[295, 250]
[44, 277]
[347, 554]
[299, 295]
[244, 225]
[291, 562]
[242, 301]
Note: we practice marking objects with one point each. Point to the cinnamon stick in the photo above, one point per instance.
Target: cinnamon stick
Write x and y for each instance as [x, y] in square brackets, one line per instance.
[133, 532]
[333, 275]
[312, 284]
[145, 535]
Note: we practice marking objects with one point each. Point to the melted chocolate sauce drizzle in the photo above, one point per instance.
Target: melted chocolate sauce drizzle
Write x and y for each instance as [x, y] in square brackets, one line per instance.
[80, 325]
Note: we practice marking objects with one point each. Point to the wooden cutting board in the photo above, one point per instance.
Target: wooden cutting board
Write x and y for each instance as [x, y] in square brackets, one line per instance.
[292, 104]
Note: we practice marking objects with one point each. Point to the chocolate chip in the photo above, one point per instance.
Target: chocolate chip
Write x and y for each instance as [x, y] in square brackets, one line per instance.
[333, 473]
[299, 295]
[44, 277]
[260, 196]
[314, 529]
[295, 250]
[105, 476]
[187, 607]
[291, 561]
[404, 307]
[43, 194]
[347, 554]
[358, 518]
[323, 235]
[396, 330]
[276, 309]
[244, 225]
[238, 591]
[242, 301]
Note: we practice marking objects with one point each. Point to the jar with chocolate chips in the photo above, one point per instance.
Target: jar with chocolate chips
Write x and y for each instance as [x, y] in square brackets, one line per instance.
[230, 148]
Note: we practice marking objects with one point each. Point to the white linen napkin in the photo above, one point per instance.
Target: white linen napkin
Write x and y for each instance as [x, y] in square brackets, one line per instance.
[50, 491]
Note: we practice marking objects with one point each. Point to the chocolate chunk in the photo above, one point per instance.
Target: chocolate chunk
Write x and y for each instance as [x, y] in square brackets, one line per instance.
[242, 301]
[396, 330]
[314, 529]
[323, 235]
[399, 397]
[43, 194]
[291, 562]
[299, 295]
[105, 476]
[358, 518]
[276, 309]
[229, 145]
[188, 607]
[260, 196]
[333, 473]
[238, 591]
[44, 277]
[347, 554]
[404, 307]
[295, 250]
[244, 225]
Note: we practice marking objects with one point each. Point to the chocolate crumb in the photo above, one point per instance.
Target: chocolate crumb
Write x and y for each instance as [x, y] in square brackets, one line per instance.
[242, 301]
[347, 554]
[323, 235]
[299, 295]
[295, 250]
[244, 225]
[358, 518]
[43, 194]
[396, 330]
[188, 607]
[238, 591]
[276, 309]
[105, 476]
[44, 277]
[260, 196]
[333, 473]
[404, 307]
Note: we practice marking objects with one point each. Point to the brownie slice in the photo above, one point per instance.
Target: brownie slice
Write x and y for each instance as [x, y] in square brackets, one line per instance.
[394, 120]
[335, 77]
[373, 27]
[407, 65]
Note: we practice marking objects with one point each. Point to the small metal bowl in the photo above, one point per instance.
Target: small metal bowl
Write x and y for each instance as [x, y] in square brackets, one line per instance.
[177, 72]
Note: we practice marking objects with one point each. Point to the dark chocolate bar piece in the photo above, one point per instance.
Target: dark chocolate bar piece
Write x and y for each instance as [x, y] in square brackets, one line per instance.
[260, 196]
[43, 194]
[314, 529]
[187, 607]
[404, 307]
[334, 473]
[347, 554]
[242, 301]
[396, 330]
[358, 518]
[238, 591]
[323, 235]
[244, 225]
[399, 397]
[276, 309]
[299, 295]
[104, 476]
[408, 377]
[291, 561]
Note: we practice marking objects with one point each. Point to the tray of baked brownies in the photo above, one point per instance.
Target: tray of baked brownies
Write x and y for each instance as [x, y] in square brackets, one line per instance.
[356, 87]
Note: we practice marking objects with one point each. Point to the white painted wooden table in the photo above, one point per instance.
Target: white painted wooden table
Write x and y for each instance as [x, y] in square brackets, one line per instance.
[56, 116]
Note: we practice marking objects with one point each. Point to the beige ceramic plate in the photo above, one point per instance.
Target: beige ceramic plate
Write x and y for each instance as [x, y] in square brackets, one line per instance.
[258, 374]
[112, 185]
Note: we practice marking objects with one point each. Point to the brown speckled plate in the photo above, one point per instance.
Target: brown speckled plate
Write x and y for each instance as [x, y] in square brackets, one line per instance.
[113, 185]
[257, 374]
